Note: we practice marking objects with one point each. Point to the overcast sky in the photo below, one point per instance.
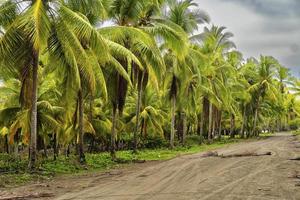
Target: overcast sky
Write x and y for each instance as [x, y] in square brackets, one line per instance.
[268, 27]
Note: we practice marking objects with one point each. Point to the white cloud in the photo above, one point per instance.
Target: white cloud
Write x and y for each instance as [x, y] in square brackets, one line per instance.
[269, 27]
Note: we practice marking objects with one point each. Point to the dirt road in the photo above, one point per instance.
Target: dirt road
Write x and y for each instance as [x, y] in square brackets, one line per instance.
[269, 177]
[197, 177]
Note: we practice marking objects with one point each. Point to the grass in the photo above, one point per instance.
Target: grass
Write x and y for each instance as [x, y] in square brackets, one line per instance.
[266, 135]
[296, 133]
[13, 170]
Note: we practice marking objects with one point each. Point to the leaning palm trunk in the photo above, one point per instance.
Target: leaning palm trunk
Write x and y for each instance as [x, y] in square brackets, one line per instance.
[113, 135]
[173, 107]
[81, 133]
[33, 125]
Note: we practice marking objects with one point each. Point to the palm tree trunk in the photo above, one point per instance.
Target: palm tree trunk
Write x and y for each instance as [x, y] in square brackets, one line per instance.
[203, 127]
[173, 107]
[243, 123]
[220, 125]
[6, 144]
[214, 116]
[210, 121]
[91, 102]
[288, 122]
[137, 112]
[142, 129]
[55, 152]
[255, 118]
[33, 125]
[255, 122]
[232, 126]
[45, 147]
[16, 148]
[113, 135]
[81, 133]
[184, 128]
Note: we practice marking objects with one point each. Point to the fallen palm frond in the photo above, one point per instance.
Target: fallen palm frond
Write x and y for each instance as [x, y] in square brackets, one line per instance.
[246, 154]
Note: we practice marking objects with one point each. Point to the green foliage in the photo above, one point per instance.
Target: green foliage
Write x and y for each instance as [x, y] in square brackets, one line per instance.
[12, 163]
[147, 81]
[294, 124]
[154, 141]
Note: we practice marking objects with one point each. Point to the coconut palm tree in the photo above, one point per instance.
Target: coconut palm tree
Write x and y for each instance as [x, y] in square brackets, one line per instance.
[139, 27]
[263, 86]
[17, 119]
[216, 43]
[68, 38]
[181, 13]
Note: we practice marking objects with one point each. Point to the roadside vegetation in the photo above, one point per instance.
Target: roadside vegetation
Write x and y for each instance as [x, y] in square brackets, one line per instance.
[158, 80]
[13, 170]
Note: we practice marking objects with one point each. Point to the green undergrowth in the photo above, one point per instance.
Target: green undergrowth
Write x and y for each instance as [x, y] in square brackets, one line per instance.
[296, 133]
[13, 171]
[266, 135]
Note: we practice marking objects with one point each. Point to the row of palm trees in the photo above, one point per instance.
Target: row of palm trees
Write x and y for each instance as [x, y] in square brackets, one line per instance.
[148, 72]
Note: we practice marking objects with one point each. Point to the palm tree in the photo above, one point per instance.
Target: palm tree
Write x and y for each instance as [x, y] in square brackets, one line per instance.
[153, 116]
[216, 43]
[67, 36]
[181, 13]
[139, 28]
[28, 31]
[17, 119]
[263, 86]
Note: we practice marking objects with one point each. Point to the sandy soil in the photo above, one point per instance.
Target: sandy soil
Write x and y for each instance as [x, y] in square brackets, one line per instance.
[269, 177]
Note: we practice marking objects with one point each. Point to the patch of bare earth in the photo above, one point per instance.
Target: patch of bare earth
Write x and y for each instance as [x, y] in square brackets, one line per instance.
[265, 169]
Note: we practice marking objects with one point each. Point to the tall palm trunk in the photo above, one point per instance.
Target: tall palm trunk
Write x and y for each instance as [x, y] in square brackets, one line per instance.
[173, 107]
[254, 130]
[214, 121]
[288, 121]
[220, 125]
[184, 128]
[210, 121]
[205, 112]
[255, 122]
[201, 127]
[45, 147]
[55, 147]
[81, 133]
[33, 125]
[232, 124]
[137, 112]
[113, 134]
[6, 146]
[91, 102]
[243, 123]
